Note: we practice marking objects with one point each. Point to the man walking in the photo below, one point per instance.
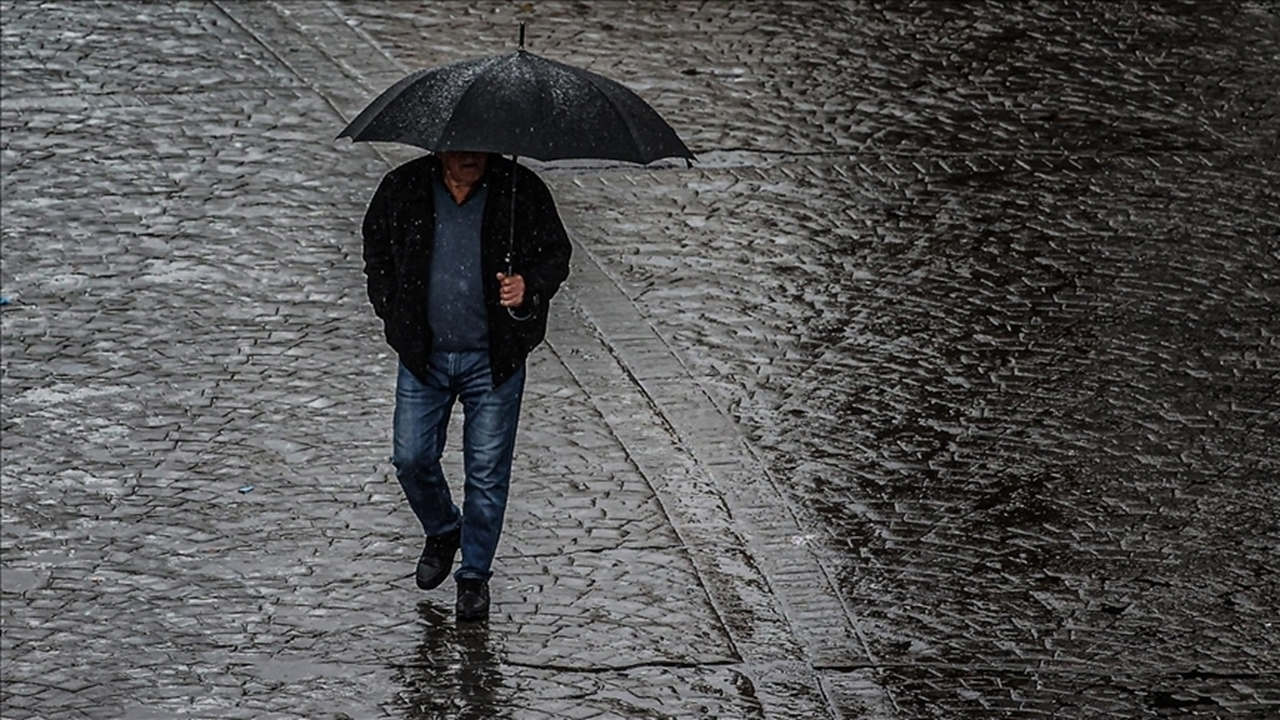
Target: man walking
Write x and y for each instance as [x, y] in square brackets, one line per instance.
[461, 281]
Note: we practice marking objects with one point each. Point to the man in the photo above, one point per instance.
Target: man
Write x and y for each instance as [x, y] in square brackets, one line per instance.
[463, 294]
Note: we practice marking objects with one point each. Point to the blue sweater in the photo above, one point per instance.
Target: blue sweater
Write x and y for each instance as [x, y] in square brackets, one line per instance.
[455, 299]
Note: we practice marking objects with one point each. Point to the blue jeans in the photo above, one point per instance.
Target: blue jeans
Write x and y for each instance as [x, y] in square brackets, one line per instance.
[490, 416]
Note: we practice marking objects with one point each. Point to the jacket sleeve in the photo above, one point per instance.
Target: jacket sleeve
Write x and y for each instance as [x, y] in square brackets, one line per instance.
[547, 264]
[379, 260]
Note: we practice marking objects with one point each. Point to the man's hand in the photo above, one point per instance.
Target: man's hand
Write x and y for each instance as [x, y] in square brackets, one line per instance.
[510, 290]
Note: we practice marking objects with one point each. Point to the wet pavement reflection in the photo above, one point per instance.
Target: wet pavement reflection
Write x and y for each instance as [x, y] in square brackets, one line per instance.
[455, 672]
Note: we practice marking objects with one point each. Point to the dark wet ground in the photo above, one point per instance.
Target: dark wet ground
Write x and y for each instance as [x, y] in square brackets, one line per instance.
[944, 385]
[1014, 356]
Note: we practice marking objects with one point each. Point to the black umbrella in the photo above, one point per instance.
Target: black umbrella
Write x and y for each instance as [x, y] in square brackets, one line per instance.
[518, 104]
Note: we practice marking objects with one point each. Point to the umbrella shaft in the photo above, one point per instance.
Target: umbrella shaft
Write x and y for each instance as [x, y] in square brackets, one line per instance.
[511, 227]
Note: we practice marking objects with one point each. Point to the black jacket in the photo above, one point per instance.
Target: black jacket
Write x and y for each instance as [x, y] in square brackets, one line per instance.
[398, 238]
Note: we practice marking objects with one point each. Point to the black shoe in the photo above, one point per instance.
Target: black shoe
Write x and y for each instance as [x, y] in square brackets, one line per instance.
[473, 599]
[437, 560]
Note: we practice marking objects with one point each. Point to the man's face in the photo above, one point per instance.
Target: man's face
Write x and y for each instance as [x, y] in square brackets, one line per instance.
[465, 168]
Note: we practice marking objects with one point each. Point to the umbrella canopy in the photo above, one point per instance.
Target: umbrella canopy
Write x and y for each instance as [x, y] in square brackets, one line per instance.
[518, 104]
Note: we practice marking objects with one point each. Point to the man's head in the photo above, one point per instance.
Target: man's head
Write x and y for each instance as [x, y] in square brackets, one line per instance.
[462, 167]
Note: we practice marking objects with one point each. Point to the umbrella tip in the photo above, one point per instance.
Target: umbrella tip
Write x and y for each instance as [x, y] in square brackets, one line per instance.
[522, 35]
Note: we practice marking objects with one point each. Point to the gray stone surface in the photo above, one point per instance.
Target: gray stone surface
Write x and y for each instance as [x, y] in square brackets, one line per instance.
[944, 385]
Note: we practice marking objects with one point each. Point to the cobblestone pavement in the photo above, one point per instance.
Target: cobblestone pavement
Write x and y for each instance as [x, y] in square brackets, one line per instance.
[943, 385]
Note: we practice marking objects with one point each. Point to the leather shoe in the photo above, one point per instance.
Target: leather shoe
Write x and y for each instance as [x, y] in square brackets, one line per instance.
[473, 599]
[437, 559]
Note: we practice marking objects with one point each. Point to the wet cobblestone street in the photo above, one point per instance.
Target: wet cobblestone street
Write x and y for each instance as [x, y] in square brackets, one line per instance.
[945, 384]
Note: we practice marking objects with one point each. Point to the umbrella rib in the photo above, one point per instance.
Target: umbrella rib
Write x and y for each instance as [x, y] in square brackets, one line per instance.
[388, 96]
[462, 96]
[624, 116]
